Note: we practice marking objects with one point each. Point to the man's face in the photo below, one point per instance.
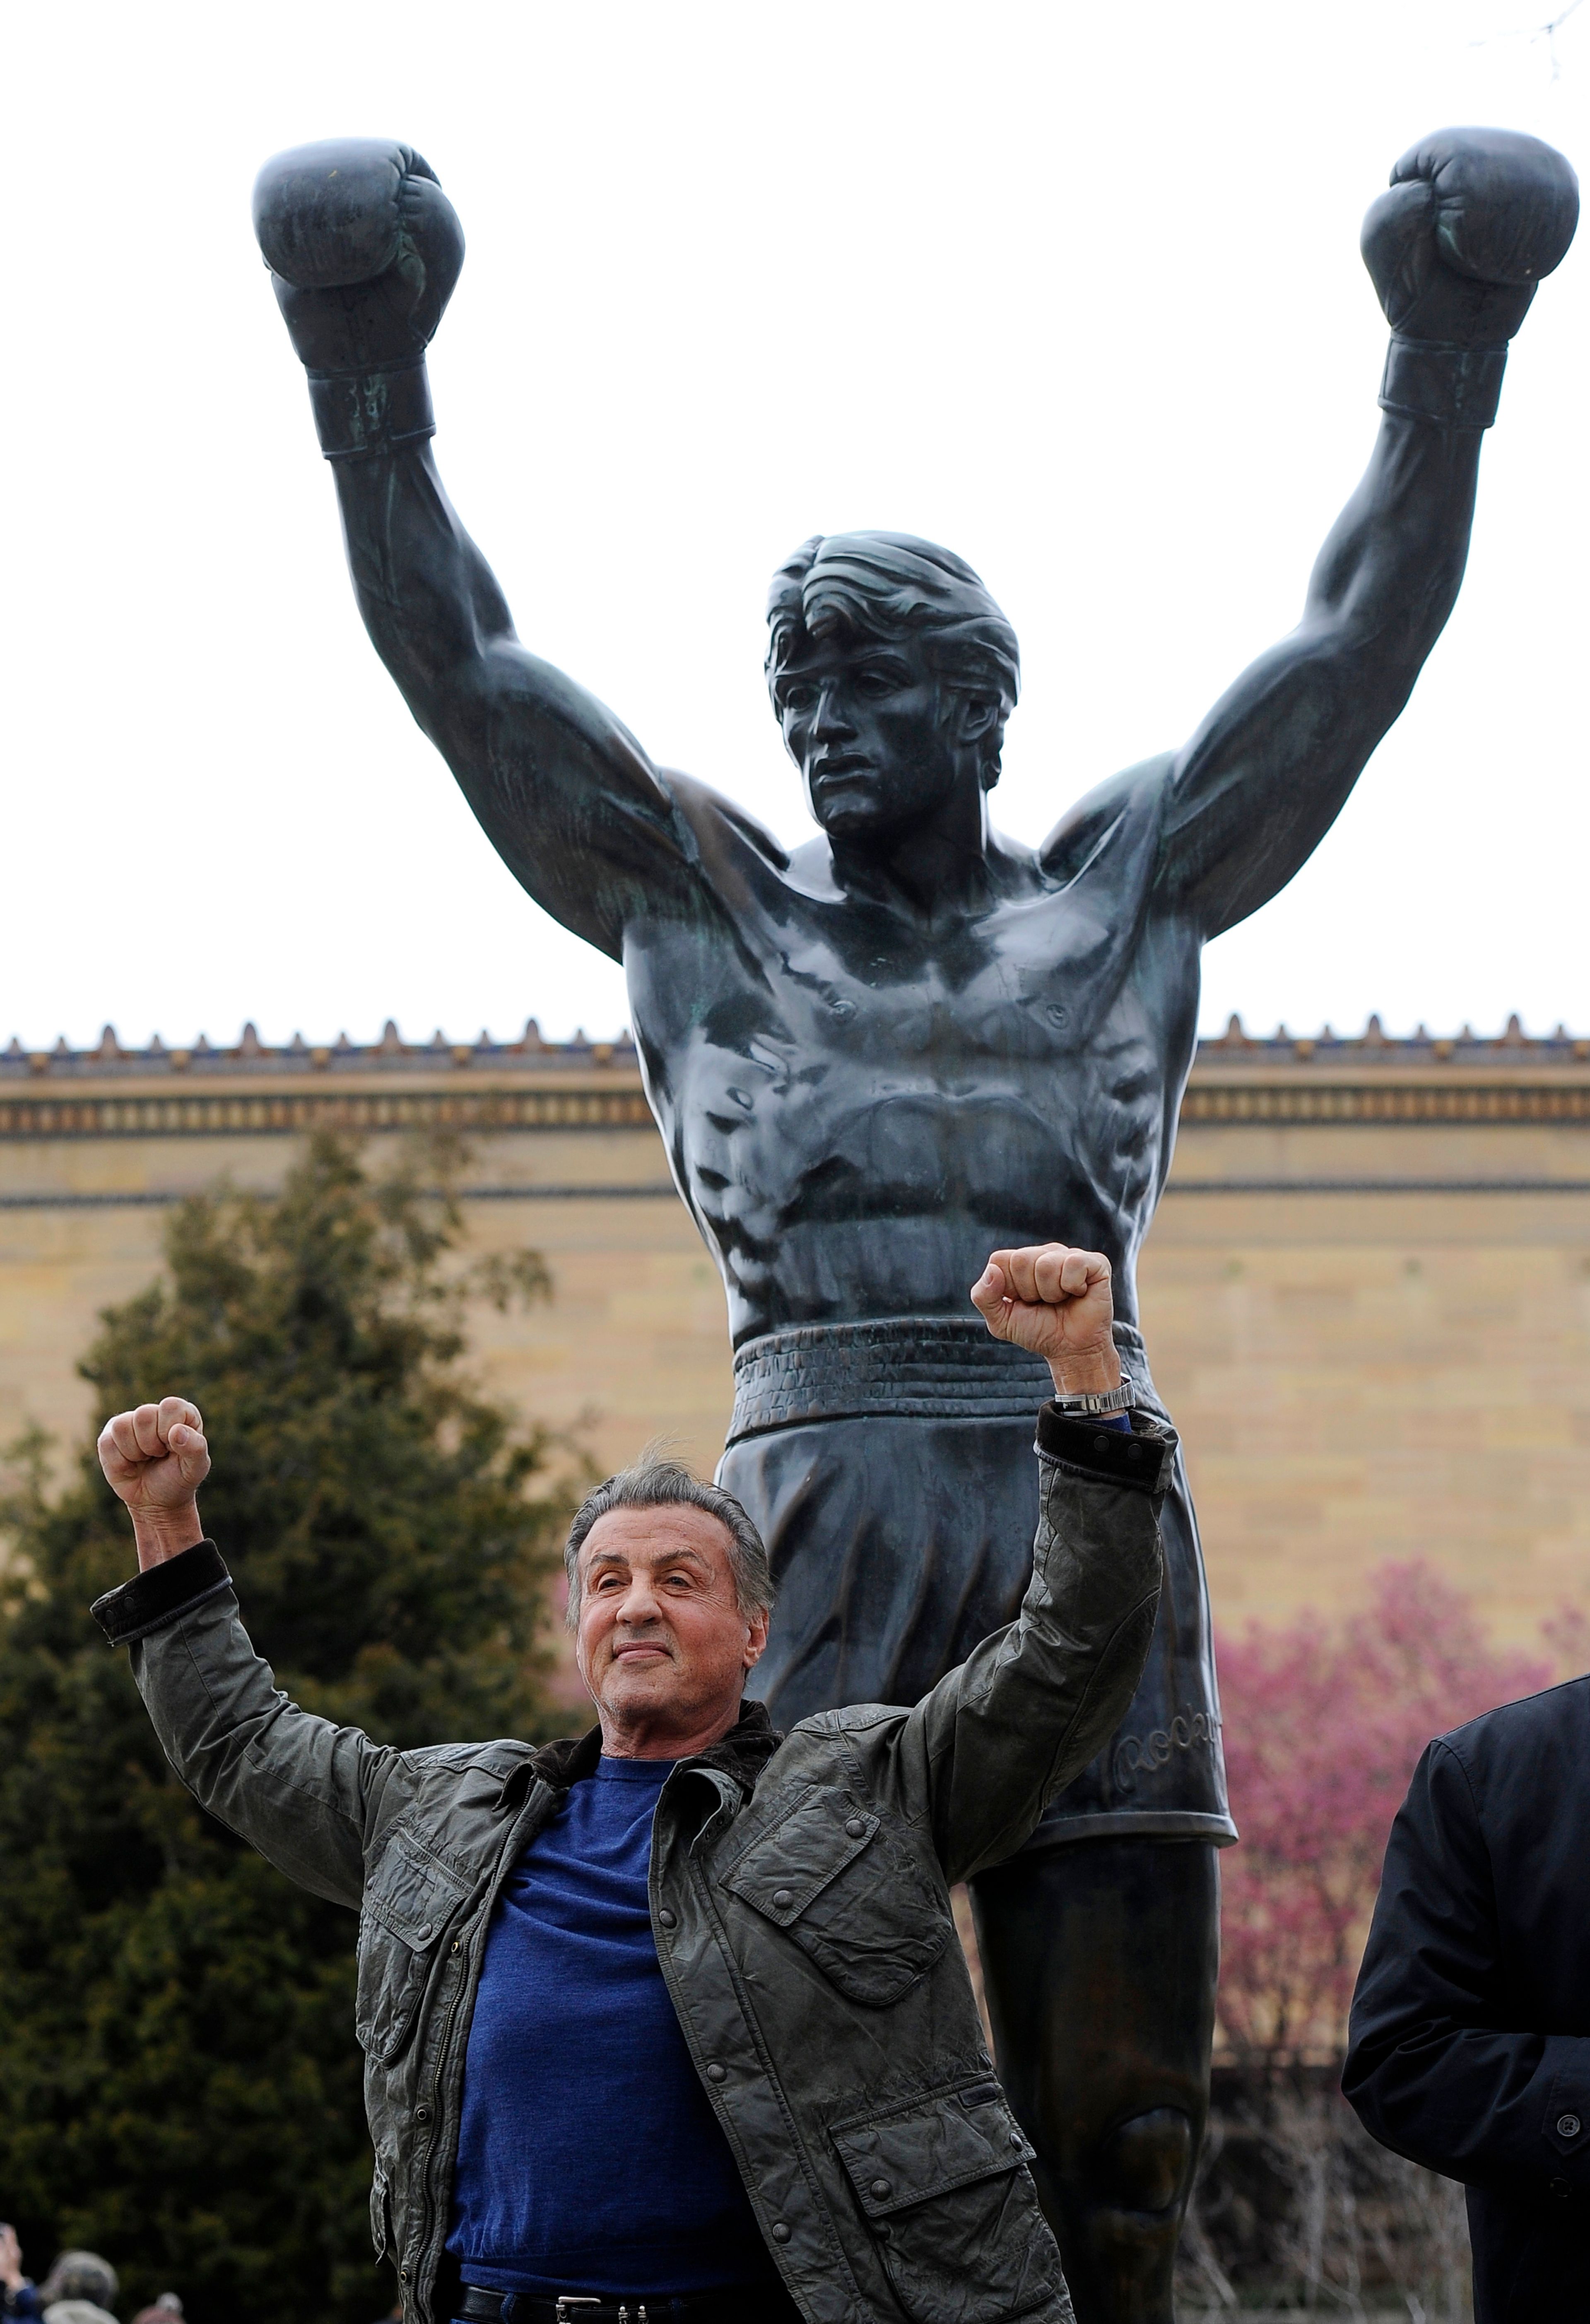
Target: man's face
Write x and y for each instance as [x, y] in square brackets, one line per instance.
[661, 1642]
[874, 736]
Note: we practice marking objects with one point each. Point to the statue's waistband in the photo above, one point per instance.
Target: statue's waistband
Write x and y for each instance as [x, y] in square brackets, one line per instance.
[908, 1368]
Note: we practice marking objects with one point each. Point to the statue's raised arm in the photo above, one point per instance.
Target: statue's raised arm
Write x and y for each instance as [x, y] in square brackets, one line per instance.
[1473, 219]
[364, 250]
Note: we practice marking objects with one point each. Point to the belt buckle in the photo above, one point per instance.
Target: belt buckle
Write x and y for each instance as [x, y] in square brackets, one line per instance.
[567, 2300]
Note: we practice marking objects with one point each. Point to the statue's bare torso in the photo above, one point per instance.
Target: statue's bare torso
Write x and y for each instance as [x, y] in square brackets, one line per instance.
[858, 1109]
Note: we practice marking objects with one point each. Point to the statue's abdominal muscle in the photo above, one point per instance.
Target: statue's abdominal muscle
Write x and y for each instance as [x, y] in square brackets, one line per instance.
[851, 1187]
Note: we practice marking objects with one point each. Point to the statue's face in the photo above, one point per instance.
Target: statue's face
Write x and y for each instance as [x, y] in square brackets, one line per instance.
[875, 734]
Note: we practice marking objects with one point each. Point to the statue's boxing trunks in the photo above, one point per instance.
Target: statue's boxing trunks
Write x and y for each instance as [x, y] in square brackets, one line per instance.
[889, 1468]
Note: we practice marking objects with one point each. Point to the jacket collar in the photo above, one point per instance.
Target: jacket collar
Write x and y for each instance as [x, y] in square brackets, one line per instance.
[746, 1750]
[741, 1755]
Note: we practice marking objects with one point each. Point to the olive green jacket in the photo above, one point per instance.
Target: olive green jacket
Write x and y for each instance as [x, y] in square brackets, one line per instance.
[800, 1898]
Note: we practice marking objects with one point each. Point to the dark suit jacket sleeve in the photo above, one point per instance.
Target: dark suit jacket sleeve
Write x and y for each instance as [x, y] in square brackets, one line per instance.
[1440, 2065]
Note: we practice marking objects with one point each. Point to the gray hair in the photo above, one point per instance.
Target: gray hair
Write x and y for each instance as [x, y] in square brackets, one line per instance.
[656, 1482]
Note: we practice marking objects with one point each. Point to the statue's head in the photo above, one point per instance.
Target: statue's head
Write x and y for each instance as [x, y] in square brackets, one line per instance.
[892, 672]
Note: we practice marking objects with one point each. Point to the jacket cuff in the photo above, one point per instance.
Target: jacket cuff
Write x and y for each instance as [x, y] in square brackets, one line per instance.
[1566, 2124]
[1109, 1456]
[161, 1594]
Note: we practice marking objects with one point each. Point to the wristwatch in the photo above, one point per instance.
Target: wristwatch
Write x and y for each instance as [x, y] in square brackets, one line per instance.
[1099, 1401]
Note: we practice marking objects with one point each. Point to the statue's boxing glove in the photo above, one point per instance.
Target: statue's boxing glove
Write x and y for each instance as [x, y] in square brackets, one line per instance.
[1473, 218]
[364, 249]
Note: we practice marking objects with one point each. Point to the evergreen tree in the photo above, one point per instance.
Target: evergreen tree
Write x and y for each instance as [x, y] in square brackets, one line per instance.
[182, 2088]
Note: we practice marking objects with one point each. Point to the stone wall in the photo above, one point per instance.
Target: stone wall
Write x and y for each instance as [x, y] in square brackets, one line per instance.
[1367, 1300]
[564, 1160]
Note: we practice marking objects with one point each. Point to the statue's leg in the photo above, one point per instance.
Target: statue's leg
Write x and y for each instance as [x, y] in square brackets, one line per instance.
[1100, 1960]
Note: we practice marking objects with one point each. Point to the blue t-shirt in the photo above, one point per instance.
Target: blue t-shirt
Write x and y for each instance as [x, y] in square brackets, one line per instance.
[589, 2156]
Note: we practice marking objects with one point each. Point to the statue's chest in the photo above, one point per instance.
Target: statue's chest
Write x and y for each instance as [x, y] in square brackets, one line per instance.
[1014, 1052]
[1026, 982]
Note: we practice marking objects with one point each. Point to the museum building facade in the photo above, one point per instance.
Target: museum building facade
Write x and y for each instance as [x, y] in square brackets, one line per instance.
[1392, 1238]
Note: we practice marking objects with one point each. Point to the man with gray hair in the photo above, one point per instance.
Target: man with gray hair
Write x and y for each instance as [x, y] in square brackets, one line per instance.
[671, 2022]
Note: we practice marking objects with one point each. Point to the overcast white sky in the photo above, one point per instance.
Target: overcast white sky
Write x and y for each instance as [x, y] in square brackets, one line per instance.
[1073, 289]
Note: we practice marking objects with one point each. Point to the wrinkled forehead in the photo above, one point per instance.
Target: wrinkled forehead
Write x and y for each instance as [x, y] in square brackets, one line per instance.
[650, 1539]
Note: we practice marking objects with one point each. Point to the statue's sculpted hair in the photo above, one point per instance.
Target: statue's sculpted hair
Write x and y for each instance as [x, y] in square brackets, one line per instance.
[881, 583]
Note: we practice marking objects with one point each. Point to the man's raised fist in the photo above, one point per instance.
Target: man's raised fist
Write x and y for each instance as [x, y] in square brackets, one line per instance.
[155, 1458]
[1473, 219]
[364, 249]
[1056, 1303]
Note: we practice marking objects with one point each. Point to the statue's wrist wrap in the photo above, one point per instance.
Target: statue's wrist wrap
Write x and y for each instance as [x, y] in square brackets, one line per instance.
[359, 414]
[1455, 387]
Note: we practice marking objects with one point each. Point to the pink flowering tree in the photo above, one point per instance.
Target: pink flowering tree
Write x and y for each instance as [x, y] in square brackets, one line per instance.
[1323, 1728]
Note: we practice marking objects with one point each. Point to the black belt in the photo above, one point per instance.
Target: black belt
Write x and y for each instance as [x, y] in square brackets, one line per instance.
[910, 1367]
[751, 2306]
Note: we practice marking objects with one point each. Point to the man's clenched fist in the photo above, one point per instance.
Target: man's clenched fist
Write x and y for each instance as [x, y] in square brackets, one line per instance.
[1056, 1303]
[155, 1458]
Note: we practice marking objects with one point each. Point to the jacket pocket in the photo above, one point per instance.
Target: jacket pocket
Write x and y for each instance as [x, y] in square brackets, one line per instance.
[850, 1892]
[408, 1901]
[943, 2185]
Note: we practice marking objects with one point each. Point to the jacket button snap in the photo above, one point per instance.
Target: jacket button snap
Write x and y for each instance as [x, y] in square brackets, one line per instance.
[1567, 2126]
[880, 2188]
[423, 1931]
[1017, 2139]
[854, 1829]
[781, 2231]
[1558, 2187]
[422, 2114]
[716, 2073]
[667, 1918]
[782, 1896]
[456, 1942]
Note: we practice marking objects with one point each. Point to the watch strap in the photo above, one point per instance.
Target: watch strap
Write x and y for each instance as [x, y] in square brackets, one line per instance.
[1096, 1404]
